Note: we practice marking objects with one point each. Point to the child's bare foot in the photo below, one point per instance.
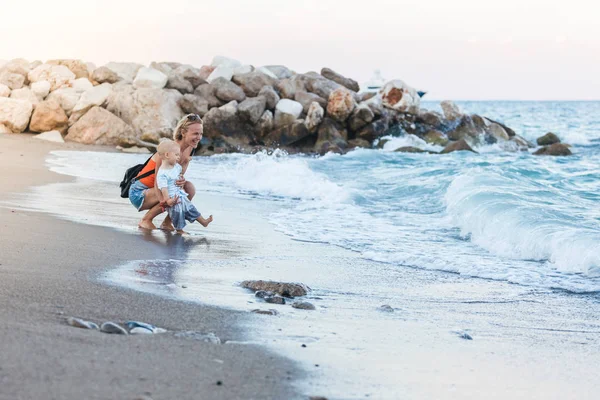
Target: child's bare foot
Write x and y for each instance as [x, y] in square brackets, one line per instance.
[205, 221]
[144, 224]
[181, 232]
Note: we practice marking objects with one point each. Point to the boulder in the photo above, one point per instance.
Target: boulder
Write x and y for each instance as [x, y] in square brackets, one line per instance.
[364, 96]
[521, 143]
[508, 130]
[360, 143]
[282, 288]
[286, 89]
[339, 78]
[15, 114]
[99, 126]
[411, 149]
[280, 71]
[81, 84]
[4, 90]
[149, 78]
[331, 137]
[436, 138]
[460, 145]
[451, 110]
[96, 96]
[548, 139]
[376, 105]
[4, 130]
[25, 94]
[340, 104]
[315, 83]
[286, 112]
[465, 128]
[432, 118]
[252, 108]
[52, 136]
[270, 95]
[206, 70]
[12, 80]
[266, 72]
[17, 66]
[374, 130]
[105, 74]
[67, 98]
[179, 83]
[126, 71]
[497, 131]
[397, 95]
[253, 82]
[306, 99]
[361, 116]
[220, 72]
[314, 116]
[58, 76]
[227, 91]
[41, 89]
[556, 149]
[49, 116]
[192, 104]
[191, 74]
[288, 134]
[265, 124]
[207, 91]
[225, 61]
[77, 67]
[163, 67]
[243, 69]
[225, 121]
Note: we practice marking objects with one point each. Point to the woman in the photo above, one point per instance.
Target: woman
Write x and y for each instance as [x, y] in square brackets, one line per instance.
[145, 195]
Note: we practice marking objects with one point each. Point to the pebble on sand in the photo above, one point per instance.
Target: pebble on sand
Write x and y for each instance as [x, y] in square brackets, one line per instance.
[111, 327]
[80, 323]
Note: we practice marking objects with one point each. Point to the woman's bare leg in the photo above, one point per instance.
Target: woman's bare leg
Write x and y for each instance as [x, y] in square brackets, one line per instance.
[151, 204]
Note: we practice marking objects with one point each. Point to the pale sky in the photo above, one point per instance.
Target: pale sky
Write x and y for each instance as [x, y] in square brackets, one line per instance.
[454, 49]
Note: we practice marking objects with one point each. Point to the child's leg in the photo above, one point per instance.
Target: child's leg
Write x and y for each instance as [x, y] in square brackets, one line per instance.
[192, 214]
[204, 221]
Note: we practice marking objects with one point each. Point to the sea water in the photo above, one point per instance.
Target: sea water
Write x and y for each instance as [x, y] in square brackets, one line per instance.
[519, 235]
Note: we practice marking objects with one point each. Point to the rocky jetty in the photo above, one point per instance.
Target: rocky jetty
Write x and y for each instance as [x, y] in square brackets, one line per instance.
[244, 108]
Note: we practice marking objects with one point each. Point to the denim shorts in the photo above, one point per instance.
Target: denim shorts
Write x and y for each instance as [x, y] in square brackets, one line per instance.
[137, 192]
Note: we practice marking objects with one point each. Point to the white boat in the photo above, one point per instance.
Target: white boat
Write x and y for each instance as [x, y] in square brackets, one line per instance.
[375, 83]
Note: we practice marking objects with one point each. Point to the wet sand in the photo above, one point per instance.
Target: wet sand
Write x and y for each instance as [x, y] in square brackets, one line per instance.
[47, 273]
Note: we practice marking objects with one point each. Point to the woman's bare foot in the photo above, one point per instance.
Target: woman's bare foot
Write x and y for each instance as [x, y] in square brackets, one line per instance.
[181, 232]
[205, 221]
[145, 224]
[167, 226]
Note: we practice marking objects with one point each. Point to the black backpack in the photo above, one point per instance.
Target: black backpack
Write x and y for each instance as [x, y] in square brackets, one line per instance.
[131, 176]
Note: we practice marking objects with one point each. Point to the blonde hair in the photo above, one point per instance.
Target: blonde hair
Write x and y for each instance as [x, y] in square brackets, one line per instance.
[165, 146]
[183, 125]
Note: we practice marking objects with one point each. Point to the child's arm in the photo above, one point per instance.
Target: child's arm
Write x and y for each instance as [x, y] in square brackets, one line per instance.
[171, 201]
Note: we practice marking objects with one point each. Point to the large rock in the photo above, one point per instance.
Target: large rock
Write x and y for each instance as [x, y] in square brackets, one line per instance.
[436, 138]
[243, 69]
[360, 143]
[218, 61]
[465, 128]
[96, 96]
[280, 71]
[253, 82]
[265, 124]
[41, 89]
[227, 91]
[286, 89]
[306, 99]
[191, 74]
[288, 135]
[397, 95]
[340, 104]
[361, 116]
[339, 78]
[315, 83]
[82, 85]
[179, 83]
[451, 110]
[12, 80]
[521, 143]
[314, 116]
[59, 76]
[49, 116]
[556, 149]
[267, 72]
[126, 71]
[220, 72]
[25, 94]
[151, 111]
[207, 91]
[431, 118]
[4, 90]
[149, 78]
[52, 136]
[225, 121]
[460, 145]
[508, 130]
[4, 130]
[286, 112]
[498, 132]
[17, 66]
[331, 137]
[192, 104]
[15, 114]
[270, 95]
[252, 109]
[374, 130]
[99, 126]
[67, 98]
[548, 139]
[77, 67]
[206, 70]
[163, 67]
[105, 74]
[281, 288]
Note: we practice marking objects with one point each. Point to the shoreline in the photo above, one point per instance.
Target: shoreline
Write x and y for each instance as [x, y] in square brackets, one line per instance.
[45, 357]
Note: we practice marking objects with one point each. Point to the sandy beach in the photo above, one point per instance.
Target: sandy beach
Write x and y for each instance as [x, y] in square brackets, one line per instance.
[46, 266]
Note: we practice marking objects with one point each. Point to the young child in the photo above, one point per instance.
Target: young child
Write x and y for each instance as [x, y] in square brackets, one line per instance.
[175, 199]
